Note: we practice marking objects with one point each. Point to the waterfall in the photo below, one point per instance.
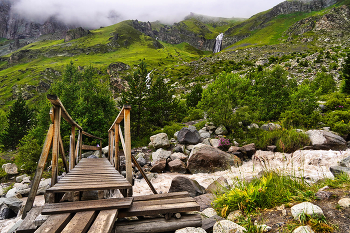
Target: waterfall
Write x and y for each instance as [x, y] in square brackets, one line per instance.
[217, 47]
[148, 79]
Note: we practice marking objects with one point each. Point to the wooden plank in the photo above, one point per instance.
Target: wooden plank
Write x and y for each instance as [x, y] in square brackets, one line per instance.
[137, 204]
[55, 223]
[65, 164]
[55, 146]
[120, 116]
[88, 147]
[80, 223]
[72, 149]
[91, 136]
[77, 148]
[159, 224]
[124, 185]
[161, 196]
[143, 174]
[116, 148]
[104, 222]
[28, 225]
[69, 184]
[78, 206]
[39, 171]
[56, 101]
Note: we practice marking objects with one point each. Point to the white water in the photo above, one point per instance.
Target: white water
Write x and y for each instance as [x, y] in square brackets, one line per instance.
[311, 164]
[218, 43]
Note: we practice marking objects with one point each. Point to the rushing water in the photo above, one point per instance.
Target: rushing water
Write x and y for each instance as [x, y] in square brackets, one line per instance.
[218, 43]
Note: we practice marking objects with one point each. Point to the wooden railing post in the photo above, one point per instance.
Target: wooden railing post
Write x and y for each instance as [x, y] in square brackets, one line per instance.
[77, 148]
[111, 159]
[116, 148]
[80, 144]
[72, 149]
[128, 162]
[100, 148]
[55, 147]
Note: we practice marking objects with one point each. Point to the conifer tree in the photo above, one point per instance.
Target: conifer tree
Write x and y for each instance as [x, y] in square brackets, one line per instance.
[346, 75]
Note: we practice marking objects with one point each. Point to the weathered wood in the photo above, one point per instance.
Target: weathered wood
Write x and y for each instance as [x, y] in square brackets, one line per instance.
[55, 146]
[119, 185]
[80, 143]
[65, 164]
[143, 174]
[39, 171]
[120, 116]
[28, 226]
[101, 148]
[158, 224]
[161, 196]
[116, 148]
[111, 159]
[80, 223]
[91, 136]
[56, 102]
[104, 222]
[77, 148]
[55, 223]
[72, 161]
[52, 118]
[87, 147]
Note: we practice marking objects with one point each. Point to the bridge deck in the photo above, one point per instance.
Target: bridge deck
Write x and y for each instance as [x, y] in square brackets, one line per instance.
[91, 174]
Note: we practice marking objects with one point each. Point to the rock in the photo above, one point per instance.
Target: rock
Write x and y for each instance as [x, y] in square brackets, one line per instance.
[189, 147]
[181, 183]
[43, 185]
[151, 176]
[225, 226]
[13, 203]
[323, 195]
[191, 230]
[344, 202]
[253, 126]
[76, 33]
[234, 215]
[93, 156]
[177, 166]
[303, 229]
[141, 159]
[264, 227]
[175, 134]
[345, 162]
[179, 149]
[19, 179]
[159, 166]
[204, 158]
[214, 142]
[160, 154]
[180, 156]
[188, 136]
[87, 154]
[204, 134]
[105, 150]
[217, 187]
[10, 168]
[271, 148]
[22, 189]
[249, 149]
[307, 208]
[221, 130]
[208, 212]
[160, 140]
[233, 149]
[337, 170]
[13, 193]
[204, 201]
[6, 212]
[325, 140]
[206, 142]
[90, 195]
[270, 127]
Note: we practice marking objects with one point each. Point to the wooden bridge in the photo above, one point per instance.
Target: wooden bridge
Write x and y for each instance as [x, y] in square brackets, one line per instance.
[86, 174]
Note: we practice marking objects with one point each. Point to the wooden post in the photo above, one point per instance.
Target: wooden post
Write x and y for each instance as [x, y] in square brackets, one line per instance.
[80, 143]
[65, 164]
[100, 148]
[39, 171]
[77, 148]
[116, 148]
[109, 144]
[72, 149]
[111, 159]
[128, 163]
[55, 147]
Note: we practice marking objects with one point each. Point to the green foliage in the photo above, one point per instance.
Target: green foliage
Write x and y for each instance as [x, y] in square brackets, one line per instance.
[337, 101]
[28, 153]
[200, 125]
[272, 189]
[194, 96]
[339, 121]
[194, 114]
[346, 75]
[3, 174]
[323, 84]
[19, 122]
[172, 128]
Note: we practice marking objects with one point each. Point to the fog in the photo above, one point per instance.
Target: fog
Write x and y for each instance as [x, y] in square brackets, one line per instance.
[95, 13]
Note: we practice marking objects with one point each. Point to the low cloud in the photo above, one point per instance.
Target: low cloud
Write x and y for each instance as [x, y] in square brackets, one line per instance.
[94, 14]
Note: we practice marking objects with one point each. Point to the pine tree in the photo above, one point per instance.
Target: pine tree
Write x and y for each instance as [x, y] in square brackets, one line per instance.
[195, 96]
[19, 122]
[346, 75]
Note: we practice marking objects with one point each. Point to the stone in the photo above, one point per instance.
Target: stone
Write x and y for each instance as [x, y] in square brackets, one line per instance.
[208, 212]
[175, 134]
[6, 212]
[345, 162]
[205, 159]
[204, 134]
[233, 149]
[13, 203]
[179, 149]
[221, 130]
[191, 230]
[105, 150]
[225, 226]
[253, 126]
[303, 229]
[177, 166]
[181, 183]
[188, 136]
[205, 200]
[234, 215]
[337, 170]
[214, 143]
[151, 176]
[160, 140]
[323, 195]
[160, 154]
[19, 179]
[271, 148]
[189, 147]
[344, 202]
[180, 156]
[270, 127]
[159, 166]
[206, 142]
[10, 168]
[90, 195]
[142, 161]
[325, 140]
[87, 154]
[217, 187]
[307, 208]
[43, 185]
[249, 149]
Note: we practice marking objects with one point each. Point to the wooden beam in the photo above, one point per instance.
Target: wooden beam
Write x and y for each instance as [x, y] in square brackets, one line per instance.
[87, 147]
[143, 174]
[80, 144]
[111, 159]
[55, 146]
[28, 223]
[55, 223]
[116, 148]
[77, 148]
[39, 171]
[120, 116]
[128, 163]
[91, 136]
[80, 223]
[101, 148]
[65, 164]
[104, 222]
[72, 149]
[56, 101]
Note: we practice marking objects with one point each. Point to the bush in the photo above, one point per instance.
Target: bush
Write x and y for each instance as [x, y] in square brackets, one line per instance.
[323, 83]
[194, 96]
[28, 154]
[194, 114]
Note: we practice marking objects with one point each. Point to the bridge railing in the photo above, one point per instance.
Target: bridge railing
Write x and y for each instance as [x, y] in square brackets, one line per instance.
[54, 140]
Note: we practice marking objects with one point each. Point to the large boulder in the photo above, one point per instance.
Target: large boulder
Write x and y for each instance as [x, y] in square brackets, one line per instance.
[181, 183]
[10, 168]
[227, 226]
[159, 166]
[160, 140]
[13, 203]
[159, 155]
[188, 136]
[337, 170]
[305, 208]
[325, 140]
[178, 155]
[205, 159]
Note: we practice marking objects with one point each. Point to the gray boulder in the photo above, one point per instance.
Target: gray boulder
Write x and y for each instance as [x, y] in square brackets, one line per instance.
[159, 166]
[19, 179]
[180, 156]
[6, 212]
[306, 208]
[337, 170]
[227, 226]
[160, 154]
[206, 159]
[325, 140]
[270, 127]
[204, 134]
[10, 168]
[345, 162]
[13, 203]
[160, 140]
[221, 130]
[181, 183]
[188, 136]
[344, 202]
[219, 186]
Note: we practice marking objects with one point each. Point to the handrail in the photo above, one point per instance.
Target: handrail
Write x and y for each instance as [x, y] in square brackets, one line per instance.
[120, 116]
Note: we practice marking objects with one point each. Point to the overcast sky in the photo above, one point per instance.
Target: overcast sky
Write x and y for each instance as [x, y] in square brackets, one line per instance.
[96, 13]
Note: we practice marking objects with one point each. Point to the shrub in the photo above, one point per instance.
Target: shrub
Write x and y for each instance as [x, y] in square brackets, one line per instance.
[28, 154]
[194, 96]
[194, 114]
[323, 83]
[346, 75]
